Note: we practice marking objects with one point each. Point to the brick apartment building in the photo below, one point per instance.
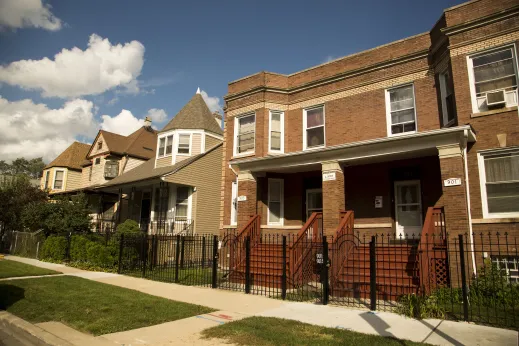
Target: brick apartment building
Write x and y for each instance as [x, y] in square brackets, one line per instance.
[427, 121]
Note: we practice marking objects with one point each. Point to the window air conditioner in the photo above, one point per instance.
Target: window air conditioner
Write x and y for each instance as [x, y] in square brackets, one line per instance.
[496, 98]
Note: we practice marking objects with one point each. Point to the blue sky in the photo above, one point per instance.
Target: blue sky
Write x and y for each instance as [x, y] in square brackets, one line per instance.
[171, 48]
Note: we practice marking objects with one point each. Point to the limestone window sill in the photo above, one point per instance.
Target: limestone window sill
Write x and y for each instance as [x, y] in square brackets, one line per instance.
[496, 220]
[494, 111]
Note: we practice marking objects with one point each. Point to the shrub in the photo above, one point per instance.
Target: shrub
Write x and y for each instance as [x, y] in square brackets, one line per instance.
[54, 249]
[99, 255]
[420, 307]
[78, 248]
[129, 227]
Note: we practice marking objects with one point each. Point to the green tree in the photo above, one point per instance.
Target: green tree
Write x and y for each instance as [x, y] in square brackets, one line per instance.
[16, 192]
[32, 168]
[57, 216]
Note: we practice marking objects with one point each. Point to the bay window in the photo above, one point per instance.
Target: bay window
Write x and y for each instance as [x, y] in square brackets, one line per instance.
[183, 144]
[165, 146]
[58, 179]
[400, 110]
[499, 178]
[276, 131]
[493, 79]
[314, 132]
[245, 134]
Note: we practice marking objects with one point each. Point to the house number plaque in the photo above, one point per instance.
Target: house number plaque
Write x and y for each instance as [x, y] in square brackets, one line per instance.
[452, 182]
[328, 176]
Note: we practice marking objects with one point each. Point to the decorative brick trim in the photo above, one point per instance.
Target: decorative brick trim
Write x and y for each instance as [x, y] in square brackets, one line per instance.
[331, 97]
[485, 44]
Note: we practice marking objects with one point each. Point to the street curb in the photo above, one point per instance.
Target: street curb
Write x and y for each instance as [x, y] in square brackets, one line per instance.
[28, 333]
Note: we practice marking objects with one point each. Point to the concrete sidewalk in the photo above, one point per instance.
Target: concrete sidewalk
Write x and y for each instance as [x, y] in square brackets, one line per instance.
[239, 305]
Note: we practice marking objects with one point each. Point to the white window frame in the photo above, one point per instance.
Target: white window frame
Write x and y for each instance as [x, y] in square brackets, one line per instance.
[502, 263]
[165, 137]
[281, 202]
[282, 130]
[235, 139]
[234, 200]
[62, 182]
[47, 176]
[483, 182]
[188, 203]
[305, 128]
[442, 76]
[470, 67]
[388, 110]
[178, 143]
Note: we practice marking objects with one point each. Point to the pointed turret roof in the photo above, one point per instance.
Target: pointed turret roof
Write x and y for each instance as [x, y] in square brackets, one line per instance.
[194, 115]
[72, 157]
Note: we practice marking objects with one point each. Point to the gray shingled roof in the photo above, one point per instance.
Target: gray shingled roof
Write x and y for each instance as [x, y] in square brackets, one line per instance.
[194, 115]
[148, 171]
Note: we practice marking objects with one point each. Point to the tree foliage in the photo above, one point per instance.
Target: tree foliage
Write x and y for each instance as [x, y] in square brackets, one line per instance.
[33, 168]
[58, 216]
[16, 192]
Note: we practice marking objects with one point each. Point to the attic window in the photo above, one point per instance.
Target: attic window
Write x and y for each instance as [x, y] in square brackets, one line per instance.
[99, 145]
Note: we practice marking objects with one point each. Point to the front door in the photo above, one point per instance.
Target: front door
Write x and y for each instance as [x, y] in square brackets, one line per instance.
[408, 209]
[314, 201]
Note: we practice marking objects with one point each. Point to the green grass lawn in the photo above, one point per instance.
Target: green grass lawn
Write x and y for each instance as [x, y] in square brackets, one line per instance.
[265, 331]
[496, 316]
[89, 306]
[11, 269]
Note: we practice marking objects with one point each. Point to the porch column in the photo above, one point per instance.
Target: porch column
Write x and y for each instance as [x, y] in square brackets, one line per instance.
[247, 197]
[333, 195]
[454, 199]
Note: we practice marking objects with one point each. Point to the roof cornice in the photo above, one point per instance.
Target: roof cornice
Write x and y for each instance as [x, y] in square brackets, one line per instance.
[479, 22]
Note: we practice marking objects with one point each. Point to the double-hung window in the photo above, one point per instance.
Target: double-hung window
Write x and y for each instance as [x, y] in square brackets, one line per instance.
[275, 202]
[183, 144]
[165, 146]
[447, 98]
[400, 108]
[499, 175]
[245, 134]
[58, 179]
[493, 79]
[276, 132]
[182, 203]
[313, 122]
[47, 174]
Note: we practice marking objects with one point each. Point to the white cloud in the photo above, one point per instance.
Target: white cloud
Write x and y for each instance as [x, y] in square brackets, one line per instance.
[123, 123]
[32, 130]
[157, 115]
[17, 14]
[75, 72]
[328, 59]
[213, 102]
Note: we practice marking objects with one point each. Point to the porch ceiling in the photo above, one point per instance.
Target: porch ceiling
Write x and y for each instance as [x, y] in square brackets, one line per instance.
[406, 146]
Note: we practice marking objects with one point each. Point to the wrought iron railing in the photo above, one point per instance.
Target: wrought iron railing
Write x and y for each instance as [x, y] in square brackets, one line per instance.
[343, 244]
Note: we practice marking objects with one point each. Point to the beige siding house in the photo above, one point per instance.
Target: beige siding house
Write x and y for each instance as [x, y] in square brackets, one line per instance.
[65, 172]
[178, 190]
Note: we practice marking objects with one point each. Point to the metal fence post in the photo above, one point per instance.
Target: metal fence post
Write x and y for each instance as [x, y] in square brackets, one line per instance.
[284, 274]
[215, 262]
[121, 242]
[183, 243]
[372, 275]
[177, 257]
[464, 289]
[144, 254]
[324, 274]
[247, 264]
[203, 251]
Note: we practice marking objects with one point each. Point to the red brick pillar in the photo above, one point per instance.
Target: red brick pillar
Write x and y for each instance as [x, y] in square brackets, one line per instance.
[247, 197]
[454, 199]
[333, 195]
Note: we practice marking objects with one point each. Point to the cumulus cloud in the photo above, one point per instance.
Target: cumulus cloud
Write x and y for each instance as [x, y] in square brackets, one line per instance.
[33, 130]
[213, 102]
[123, 123]
[15, 14]
[75, 72]
[157, 115]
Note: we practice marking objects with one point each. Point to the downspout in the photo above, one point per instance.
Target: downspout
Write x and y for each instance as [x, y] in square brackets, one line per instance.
[469, 213]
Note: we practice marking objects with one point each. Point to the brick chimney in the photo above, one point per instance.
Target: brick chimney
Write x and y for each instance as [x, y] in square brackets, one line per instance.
[218, 117]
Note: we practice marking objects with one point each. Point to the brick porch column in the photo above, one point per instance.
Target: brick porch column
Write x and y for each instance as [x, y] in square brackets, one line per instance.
[454, 200]
[333, 195]
[247, 187]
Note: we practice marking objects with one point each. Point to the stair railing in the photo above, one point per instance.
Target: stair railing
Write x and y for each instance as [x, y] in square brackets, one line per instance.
[433, 234]
[253, 230]
[343, 244]
[301, 248]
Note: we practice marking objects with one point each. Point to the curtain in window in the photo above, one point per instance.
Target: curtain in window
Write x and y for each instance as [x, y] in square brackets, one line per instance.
[401, 103]
[315, 127]
[494, 71]
[502, 183]
[246, 129]
[275, 131]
